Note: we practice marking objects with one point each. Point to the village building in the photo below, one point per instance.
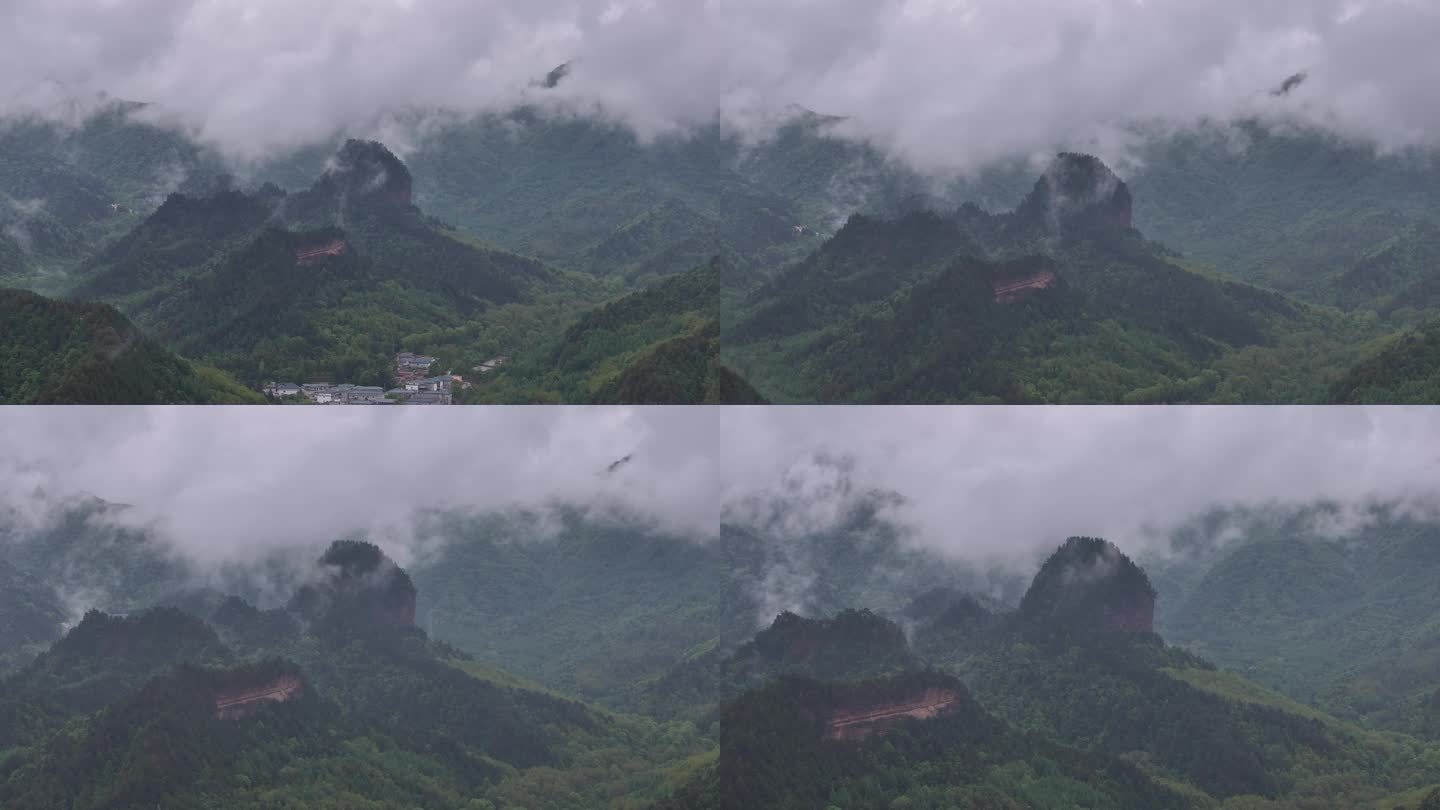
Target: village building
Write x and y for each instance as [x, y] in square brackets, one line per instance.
[441, 383]
[414, 386]
[428, 398]
[364, 394]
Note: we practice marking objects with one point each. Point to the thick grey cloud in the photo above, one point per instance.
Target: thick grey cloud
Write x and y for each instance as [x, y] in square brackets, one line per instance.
[988, 488]
[229, 485]
[943, 83]
[991, 485]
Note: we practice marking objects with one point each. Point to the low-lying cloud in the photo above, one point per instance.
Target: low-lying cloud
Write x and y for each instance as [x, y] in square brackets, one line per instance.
[234, 485]
[990, 485]
[941, 83]
[927, 495]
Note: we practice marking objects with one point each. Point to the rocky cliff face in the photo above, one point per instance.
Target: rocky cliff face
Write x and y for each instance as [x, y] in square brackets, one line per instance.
[236, 703]
[315, 253]
[854, 722]
[1015, 281]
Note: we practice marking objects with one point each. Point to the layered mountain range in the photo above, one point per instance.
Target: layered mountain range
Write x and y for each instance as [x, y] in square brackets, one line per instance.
[1295, 268]
[615, 666]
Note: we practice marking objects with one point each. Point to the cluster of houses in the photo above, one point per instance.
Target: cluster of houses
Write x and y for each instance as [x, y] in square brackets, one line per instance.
[416, 387]
[412, 367]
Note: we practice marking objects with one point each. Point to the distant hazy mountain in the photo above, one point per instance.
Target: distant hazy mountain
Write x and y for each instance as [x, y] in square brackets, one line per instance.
[1347, 622]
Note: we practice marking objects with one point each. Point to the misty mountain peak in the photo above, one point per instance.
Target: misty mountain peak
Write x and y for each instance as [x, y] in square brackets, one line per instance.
[1079, 189]
[355, 582]
[1088, 584]
[367, 168]
[853, 644]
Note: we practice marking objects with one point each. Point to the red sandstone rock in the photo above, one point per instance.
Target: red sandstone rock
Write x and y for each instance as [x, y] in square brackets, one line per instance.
[1010, 290]
[314, 253]
[235, 704]
[854, 723]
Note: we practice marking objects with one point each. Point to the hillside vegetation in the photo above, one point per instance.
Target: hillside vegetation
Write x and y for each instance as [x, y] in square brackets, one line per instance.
[59, 353]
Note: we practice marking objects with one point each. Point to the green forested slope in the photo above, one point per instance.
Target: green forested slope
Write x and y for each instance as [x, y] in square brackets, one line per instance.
[60, 353]
[660, 345]
[1406, 371]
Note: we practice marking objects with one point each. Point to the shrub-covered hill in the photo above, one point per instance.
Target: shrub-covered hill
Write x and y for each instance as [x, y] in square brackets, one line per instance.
[53, 352]
[1406, 371]
[660, 345]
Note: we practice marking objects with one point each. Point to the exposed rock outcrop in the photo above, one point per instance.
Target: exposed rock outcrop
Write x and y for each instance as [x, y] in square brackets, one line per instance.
[236, 703]
[855, 722]
[312, 254]
[1014, 289]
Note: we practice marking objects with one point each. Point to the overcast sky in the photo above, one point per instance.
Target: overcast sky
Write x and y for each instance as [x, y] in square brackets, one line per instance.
[984, 484]
[227, 484]
[941, 82]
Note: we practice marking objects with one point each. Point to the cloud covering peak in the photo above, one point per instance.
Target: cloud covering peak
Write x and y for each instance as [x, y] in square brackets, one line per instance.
[1003, 484]
[230, 485]
[940, 83]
